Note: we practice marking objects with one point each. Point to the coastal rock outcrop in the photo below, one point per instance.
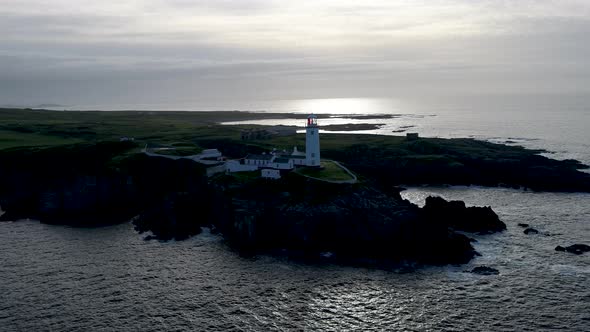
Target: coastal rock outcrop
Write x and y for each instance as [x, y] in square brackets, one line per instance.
[454, 214]
[530, 231]
[484, 270]
[352, 222]
[167, 221]
[577, 249]
[302, 217]
[67, 185]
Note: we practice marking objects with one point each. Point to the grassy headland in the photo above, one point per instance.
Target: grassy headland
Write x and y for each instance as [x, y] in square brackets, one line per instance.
[389, 160]
[74, 168]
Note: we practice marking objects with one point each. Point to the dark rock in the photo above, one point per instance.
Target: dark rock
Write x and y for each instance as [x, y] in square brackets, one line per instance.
[169, 220]
[319, 217]
[530, 231]
[577, 249]
[73, 187]
[213, 230]
[173, 199]
[456, 215]
[523, 225]
[485, 270]
[468, 161]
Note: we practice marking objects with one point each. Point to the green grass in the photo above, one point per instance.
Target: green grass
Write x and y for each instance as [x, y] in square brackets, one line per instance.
[328, 171]
[11, 139]
[388, 158]
[191, 131]
[24, 127]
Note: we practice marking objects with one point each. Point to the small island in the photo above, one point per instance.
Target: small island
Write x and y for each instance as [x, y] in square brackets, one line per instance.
[168, 172]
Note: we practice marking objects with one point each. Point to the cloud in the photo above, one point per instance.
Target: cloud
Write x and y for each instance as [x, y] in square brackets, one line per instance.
[442, 45]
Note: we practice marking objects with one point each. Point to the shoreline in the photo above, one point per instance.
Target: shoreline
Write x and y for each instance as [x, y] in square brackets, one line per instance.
[245, 119]
[94, 170]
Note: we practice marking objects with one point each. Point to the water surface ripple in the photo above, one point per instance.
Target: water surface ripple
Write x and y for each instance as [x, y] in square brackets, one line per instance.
[60, 279]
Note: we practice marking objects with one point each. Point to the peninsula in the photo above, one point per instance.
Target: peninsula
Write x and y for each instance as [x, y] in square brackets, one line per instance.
[90, 168]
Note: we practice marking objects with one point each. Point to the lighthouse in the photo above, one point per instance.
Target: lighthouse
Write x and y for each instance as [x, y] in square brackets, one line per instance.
[312, 141]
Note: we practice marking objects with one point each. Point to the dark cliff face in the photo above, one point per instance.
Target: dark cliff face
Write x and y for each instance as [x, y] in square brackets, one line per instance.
[70, 184]
[85, 186]
[456, 215]
[354, 223]
[173, 199]
[437, 161]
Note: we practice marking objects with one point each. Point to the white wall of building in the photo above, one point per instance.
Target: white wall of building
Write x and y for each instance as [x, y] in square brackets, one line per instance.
[271, 173]
[235, 166]
[256, 162]
[299, 161]
[288, 165]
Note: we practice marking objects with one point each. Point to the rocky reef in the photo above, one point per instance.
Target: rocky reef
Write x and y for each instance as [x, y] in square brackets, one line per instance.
[66, 186]
[296, 216]
[484, 271]
[354, 223]
[481, 220]
[577, 249]
[74, 168]
[304, 218]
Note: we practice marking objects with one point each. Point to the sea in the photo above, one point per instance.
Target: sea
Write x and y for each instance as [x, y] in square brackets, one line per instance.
[59, 278]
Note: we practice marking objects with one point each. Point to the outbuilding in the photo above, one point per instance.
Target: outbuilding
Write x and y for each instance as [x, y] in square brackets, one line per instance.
[269, 173]
[258, 159]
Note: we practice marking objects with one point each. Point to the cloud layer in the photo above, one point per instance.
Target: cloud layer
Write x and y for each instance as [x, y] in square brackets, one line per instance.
[66, 51]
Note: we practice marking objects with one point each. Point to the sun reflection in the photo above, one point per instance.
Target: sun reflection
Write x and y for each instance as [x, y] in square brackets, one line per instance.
[342, 106]
[358, 307]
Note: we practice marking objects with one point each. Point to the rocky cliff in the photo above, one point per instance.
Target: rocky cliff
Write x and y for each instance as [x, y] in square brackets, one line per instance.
[297, 216]
[356, 223]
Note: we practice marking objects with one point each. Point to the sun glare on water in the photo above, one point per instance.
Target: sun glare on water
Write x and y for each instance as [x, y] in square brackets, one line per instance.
[342, 106]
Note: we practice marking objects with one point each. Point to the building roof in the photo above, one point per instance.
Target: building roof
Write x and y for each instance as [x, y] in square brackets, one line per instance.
[282, 160]
[259, 156]
[296, 157]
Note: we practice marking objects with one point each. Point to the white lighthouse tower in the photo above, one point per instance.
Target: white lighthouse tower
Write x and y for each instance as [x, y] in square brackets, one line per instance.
[312, 141]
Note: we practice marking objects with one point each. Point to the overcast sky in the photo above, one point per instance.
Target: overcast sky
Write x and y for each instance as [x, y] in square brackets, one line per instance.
[89, 51]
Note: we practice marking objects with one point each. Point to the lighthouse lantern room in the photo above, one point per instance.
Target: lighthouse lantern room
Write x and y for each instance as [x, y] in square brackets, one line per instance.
[312, 141]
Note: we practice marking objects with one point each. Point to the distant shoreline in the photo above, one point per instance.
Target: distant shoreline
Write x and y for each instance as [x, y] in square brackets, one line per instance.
[393, 157]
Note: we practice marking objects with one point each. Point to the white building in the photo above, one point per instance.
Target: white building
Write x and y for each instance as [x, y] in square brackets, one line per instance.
[233, 166]
[312, 141]
[272, 163]
[259, 160]
[270, 173]
[282, 163]
[298, 160]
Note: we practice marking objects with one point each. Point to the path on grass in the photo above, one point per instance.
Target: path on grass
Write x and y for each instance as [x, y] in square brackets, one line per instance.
[351, 181]
[354, 178]
[195, 157]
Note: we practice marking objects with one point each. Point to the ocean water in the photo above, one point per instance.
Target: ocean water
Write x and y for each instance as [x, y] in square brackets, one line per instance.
[60, 278]
[558, 124]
